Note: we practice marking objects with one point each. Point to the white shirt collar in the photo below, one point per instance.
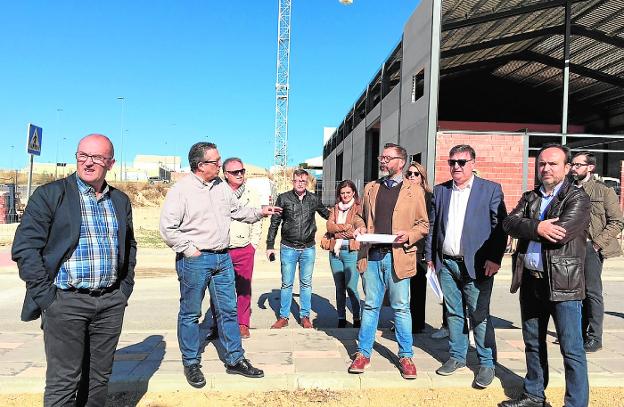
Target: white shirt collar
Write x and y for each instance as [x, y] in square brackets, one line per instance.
[468, 184]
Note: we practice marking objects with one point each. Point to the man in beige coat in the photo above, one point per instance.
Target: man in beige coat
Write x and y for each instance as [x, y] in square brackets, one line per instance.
[244, 240]
[605, 223]
[391, 207]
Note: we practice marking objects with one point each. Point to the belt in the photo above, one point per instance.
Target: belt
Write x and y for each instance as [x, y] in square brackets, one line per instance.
[93, 292]
[222, 251]
[534, 273]
[459, 259]
[381, 248]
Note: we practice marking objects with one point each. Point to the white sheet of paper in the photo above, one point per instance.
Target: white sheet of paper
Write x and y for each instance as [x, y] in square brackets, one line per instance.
[434, 284]
[376, 238]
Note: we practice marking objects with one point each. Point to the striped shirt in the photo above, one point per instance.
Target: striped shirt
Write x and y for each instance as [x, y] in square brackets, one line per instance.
[94, 261]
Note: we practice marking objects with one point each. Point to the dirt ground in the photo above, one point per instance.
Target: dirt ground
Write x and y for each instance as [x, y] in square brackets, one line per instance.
[450, 397]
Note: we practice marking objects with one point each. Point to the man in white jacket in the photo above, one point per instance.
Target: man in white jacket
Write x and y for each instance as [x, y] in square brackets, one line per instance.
[244, 240]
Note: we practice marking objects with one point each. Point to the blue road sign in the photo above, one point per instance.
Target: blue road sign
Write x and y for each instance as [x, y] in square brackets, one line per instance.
[33, 143]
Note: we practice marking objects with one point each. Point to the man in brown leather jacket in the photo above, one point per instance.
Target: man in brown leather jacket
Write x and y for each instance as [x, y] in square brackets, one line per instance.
[550, 223]
[605, 223]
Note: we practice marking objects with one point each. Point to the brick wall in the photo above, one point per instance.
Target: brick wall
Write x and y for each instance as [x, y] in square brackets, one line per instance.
[499, 159]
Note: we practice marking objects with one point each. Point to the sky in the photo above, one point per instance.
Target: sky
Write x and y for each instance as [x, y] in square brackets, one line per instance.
[188, 70]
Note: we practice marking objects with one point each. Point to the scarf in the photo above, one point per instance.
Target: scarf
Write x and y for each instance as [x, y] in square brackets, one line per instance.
[341, 219]
[239, 192]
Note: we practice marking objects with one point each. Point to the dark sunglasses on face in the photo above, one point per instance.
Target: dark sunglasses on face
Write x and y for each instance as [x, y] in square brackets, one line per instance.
[237, 172]
[461, 162]
[412, 174]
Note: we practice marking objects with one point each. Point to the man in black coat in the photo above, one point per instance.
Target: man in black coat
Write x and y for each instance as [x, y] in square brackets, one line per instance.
[550, 223]
[298, 222]
[75, 250]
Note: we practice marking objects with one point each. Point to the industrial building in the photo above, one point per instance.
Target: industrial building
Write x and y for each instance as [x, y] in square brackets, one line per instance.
[493, 74]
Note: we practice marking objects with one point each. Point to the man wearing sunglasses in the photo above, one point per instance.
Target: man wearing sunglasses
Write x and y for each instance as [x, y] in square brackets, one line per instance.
[195, 222]
[605, 223]
[393, 207]
[244, 240]
[466, 246]
[75, 249]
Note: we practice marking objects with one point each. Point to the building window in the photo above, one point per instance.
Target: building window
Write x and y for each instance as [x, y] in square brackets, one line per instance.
[338, 175]
[418, 85]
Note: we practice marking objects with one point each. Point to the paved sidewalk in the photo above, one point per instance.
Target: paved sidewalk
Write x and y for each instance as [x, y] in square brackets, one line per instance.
[148, 358]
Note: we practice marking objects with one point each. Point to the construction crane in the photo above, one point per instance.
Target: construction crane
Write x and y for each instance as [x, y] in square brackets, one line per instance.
[280, 152]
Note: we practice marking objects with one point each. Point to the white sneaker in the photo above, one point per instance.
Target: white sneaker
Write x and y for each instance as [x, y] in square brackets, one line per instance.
[440, 333]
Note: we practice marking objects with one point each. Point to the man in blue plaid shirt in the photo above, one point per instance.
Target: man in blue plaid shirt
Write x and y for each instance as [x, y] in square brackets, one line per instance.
[75, 250]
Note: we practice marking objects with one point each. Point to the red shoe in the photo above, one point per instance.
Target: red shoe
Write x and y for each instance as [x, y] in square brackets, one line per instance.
[244, 332]
[280, 323]
[407, 368]
[359, 364]
[306, 323]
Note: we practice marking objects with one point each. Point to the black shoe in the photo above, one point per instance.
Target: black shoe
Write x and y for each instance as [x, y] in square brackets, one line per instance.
[212, 334]
[194, 376]
[484, 377]
[449, 367]
[523, 401]
[592, 345]
[357, 323]
[244, 368]
[342, 323]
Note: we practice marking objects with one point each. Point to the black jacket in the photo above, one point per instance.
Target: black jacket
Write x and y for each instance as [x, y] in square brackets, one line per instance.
[48, 235]
[297, 218]
[564, 260]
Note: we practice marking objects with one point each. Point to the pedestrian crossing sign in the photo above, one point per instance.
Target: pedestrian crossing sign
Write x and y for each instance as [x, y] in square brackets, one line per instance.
[33, 143]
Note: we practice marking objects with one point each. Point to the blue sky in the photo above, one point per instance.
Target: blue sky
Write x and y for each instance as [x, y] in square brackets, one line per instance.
[189, 70]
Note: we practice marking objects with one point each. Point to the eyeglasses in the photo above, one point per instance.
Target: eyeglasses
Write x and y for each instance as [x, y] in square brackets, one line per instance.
[386, 158]
[237, 172]
[213, 162]
[412, 174]
[96, 158]
[460, 162]
[579, 165]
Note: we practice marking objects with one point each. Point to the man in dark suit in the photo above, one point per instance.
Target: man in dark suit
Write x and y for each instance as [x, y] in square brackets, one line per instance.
[75, 250]
[466, 244]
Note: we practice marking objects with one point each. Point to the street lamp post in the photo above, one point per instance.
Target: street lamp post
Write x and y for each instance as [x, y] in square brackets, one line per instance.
[121, 130]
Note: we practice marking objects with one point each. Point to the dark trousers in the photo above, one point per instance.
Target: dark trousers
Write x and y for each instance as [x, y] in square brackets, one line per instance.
[80, 333]
[536, 309]
[593, 305]
[418, 297]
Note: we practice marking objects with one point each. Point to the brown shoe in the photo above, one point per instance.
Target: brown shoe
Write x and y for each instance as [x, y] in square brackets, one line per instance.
[244, 331]
[306, 323]
[280, 323]
[359, 364]
[407, 368]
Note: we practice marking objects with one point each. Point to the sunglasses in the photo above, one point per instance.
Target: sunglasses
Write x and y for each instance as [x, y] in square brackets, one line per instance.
[461, 162]
[412, 174]
[237, 172]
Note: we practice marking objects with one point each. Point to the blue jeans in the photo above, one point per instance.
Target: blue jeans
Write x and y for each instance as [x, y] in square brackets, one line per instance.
[346, 276]
[215, 272]
[377, 277]
[289, 258]
[536, 309]
[463, 292]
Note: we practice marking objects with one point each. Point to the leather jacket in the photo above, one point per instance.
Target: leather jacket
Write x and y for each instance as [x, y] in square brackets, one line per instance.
[564, 260]
[297, 219]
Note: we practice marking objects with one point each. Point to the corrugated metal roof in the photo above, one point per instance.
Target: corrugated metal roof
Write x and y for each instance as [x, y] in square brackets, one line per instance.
[523, 40]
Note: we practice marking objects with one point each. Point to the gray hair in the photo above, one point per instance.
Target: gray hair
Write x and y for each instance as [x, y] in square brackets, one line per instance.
[197, 152]
[231, 160]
